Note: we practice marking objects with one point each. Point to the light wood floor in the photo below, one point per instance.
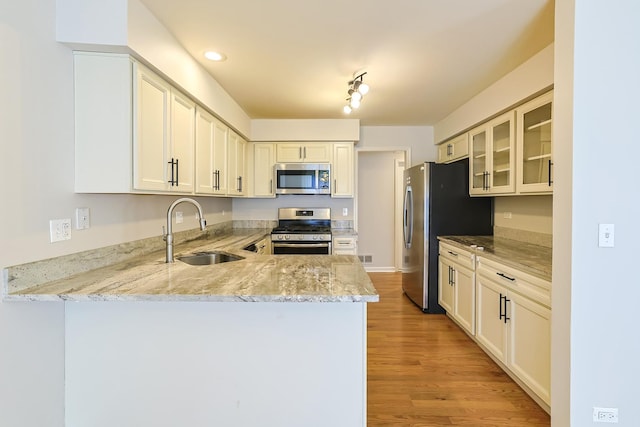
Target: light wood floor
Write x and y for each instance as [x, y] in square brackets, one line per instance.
[424, 371]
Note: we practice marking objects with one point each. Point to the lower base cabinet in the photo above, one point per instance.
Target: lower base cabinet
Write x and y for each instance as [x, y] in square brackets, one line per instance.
[456, 285]
[506, 311]
[345, 245]
[514, 325]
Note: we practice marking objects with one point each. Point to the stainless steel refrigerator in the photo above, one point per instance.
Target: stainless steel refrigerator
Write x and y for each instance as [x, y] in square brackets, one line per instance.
[437, 203]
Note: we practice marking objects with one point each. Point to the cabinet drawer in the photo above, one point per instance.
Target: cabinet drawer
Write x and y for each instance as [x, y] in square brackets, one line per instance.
[344, 243]
[457, 255]
[536, 289]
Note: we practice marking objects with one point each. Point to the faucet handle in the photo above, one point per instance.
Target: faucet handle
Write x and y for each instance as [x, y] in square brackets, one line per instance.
[164, 233]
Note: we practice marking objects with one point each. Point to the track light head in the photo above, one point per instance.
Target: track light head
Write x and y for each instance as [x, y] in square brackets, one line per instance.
[357, 89]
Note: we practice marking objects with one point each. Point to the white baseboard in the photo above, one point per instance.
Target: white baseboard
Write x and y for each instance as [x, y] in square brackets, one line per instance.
[379, 269]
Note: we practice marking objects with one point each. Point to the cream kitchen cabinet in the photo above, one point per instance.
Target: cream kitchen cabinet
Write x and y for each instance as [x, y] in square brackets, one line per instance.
[456, 285]
[211, 154]
[313, 152]
[164, 132]
[454, 149]
[236, 165]
[514, 323]
[342, 170]
[135, 133]
[263, 160]
[534, 148]
[492, 156]
[344, 245]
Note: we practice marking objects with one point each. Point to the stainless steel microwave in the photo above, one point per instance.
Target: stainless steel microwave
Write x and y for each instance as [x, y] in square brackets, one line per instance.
[302, 178]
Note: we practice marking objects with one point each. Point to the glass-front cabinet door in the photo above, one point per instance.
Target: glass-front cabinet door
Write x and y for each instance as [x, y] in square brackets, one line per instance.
[502, 175]
[493, 157]
[535, 162]
[478, 182]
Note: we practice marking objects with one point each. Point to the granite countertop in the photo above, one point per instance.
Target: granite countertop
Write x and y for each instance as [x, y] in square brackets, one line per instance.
[526, 257]
[344, 232]
[256, 278]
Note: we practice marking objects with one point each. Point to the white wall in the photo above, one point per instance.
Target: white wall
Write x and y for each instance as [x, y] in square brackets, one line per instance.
[37, 152]
[533, 76]
[376, 208]
[267, 209]
[418, 140]
[530, 213]
[595, 292]
[128, 26]
[563, 207]
[305, 130]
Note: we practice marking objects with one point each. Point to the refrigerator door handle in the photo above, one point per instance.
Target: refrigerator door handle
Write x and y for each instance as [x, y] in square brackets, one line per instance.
[407, 225]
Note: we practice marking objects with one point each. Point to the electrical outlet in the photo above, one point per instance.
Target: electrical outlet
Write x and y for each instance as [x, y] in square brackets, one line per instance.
[179, 217]
[507, 215]
[345, 211]
[59, 230]
[605, 415]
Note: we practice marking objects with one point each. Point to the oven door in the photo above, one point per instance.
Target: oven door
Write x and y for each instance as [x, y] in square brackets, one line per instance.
[301, 248]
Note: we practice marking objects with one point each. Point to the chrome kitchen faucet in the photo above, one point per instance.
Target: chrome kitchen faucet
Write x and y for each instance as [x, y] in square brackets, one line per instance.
[169, 236]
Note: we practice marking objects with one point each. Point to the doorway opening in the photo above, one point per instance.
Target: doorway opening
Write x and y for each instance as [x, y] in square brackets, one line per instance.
[378, 207]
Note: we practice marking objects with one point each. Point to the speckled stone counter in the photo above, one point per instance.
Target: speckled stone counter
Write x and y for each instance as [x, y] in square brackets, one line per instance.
[344, 232]
[529, 258]
[256, 278]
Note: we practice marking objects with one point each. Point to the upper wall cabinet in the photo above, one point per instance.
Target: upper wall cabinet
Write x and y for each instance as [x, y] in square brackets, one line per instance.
[211, 154]
[342, 169]
[492, 151]
[135, 133]
[237, 179]
[264, 155]
[454, 149]
[314, 152]
[164, 133]
[263, 160]
[535, 164]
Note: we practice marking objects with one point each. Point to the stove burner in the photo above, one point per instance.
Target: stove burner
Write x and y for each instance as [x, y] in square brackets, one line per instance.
[301, 229]
[297, 225]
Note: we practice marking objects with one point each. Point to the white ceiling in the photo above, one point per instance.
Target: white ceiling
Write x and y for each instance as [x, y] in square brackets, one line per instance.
[293, 58]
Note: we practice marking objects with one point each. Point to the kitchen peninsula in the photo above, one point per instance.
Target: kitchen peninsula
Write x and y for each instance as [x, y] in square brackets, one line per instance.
[266, 340]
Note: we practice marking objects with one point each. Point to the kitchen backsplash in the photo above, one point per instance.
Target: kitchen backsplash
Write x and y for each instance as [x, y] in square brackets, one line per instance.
[271, 223]
[541, 239]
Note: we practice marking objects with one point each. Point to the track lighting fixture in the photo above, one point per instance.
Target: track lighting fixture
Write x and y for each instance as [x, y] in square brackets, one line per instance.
[357, 89]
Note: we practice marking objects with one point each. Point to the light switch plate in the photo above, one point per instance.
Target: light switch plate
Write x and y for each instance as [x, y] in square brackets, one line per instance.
[605, 235]
[83, 220]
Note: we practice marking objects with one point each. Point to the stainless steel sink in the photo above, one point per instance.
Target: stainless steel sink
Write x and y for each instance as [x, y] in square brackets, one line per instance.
[208, 258]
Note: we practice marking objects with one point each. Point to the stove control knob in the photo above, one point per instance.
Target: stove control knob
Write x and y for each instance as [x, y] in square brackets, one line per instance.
[287, 237]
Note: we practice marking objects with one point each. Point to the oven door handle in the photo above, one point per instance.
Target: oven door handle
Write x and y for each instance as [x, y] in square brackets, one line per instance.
[300, 245]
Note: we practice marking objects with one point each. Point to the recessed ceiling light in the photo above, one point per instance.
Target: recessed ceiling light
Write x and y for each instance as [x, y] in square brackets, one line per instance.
[215, 56]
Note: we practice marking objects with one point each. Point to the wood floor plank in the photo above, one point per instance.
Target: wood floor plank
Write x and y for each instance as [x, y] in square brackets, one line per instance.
[423, 370]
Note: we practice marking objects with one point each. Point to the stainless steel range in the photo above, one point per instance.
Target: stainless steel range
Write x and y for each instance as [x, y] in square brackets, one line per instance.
[302, 231]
